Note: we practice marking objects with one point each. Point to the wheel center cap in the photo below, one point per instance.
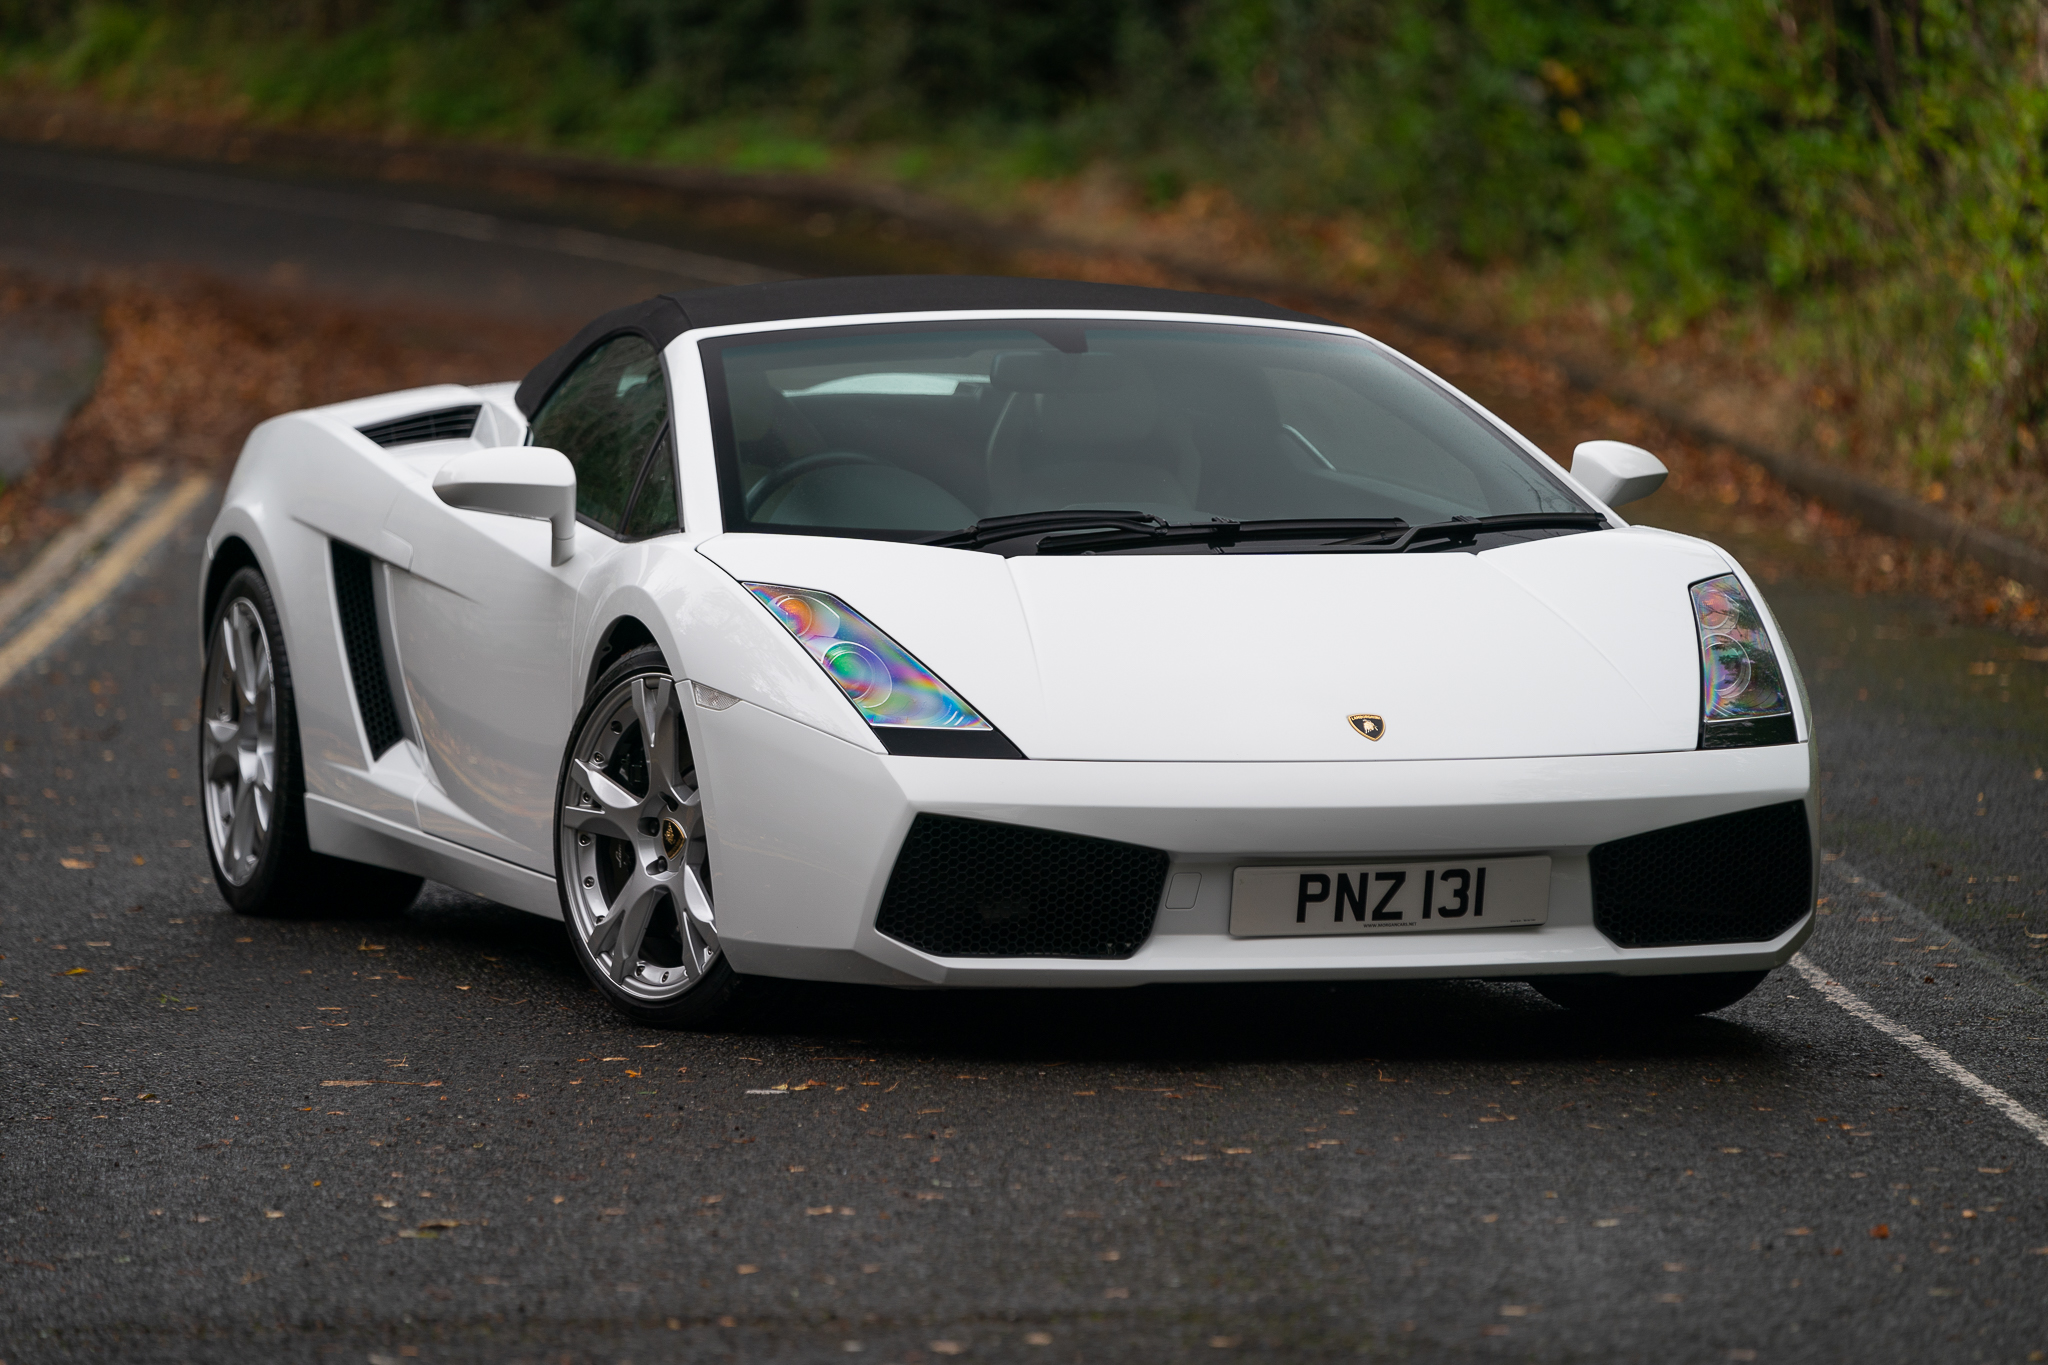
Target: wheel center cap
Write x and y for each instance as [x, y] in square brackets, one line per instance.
[672, 838]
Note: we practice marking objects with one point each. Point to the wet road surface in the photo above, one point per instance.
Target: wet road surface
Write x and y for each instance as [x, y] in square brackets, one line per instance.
[224, 1138]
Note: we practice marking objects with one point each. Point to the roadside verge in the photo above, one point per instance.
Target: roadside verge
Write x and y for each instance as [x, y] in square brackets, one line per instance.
[1880, 508]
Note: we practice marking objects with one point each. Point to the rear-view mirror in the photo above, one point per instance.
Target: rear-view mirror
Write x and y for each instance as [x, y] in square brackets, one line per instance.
[1616, 472]
[516, 481]
[1056, 372]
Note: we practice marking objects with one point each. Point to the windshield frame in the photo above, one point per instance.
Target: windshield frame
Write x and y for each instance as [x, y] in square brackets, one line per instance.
[712, 345]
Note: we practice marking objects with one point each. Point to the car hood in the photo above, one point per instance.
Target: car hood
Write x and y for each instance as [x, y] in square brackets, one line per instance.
[1580, 644]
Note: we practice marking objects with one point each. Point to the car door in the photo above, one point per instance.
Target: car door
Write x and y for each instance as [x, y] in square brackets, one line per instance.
[484, 624]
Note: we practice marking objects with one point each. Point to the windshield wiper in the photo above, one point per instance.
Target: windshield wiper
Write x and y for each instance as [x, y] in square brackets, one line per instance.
[1218, 533]
[991, 530]
[1465, 530]
[1069, 533]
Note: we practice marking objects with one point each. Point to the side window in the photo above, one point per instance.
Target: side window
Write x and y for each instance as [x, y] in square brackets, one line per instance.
[604, 416]
[654, 510]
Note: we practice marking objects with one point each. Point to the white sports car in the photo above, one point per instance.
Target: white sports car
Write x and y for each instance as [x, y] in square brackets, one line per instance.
[940, 631]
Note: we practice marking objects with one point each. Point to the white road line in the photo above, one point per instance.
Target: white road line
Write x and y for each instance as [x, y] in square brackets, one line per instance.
[398, 213]
[1934, 1056]
[62, 554]
[99, 582]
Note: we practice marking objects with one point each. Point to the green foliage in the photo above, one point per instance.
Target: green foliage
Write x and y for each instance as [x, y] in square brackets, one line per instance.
[108, 37]
[1871, 166]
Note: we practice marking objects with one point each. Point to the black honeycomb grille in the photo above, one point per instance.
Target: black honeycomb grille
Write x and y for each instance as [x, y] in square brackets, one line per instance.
[973, 888]
[1741, 878]
[443, 424]
[356, 602]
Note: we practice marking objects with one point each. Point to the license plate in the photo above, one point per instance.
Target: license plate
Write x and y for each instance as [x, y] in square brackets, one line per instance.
[1390, 898]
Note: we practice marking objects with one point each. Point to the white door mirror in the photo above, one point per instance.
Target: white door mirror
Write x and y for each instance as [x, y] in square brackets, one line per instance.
[516, 481]
[1616, 472]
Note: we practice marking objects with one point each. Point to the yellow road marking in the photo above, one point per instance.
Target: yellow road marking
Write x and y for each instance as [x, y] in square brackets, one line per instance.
[62, 554]
[98, 582]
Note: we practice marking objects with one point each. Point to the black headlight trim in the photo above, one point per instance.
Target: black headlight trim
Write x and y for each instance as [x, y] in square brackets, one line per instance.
[930, 741]
[1749, 734]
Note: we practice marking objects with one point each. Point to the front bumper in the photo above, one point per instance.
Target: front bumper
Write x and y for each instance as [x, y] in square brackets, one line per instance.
[805, 829]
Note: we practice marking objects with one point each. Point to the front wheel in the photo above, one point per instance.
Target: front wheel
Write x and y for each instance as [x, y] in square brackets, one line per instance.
[1649, 997]
[631, 858]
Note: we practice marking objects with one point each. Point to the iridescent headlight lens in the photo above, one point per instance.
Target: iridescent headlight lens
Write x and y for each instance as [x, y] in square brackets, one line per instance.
[885, 684]
[1741, 679]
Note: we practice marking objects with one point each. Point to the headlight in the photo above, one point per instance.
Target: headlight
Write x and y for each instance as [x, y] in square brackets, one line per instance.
[1743, 698]
[886, 685]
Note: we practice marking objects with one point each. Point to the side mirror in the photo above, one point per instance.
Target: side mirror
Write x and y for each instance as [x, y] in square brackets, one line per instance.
[516, 481]
[1616, 472]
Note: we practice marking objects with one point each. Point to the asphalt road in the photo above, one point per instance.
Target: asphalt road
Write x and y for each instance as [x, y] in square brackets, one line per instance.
[1419, 1171]
[63, 214]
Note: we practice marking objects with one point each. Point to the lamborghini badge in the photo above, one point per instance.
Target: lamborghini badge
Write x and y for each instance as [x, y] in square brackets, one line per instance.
[1372, 727]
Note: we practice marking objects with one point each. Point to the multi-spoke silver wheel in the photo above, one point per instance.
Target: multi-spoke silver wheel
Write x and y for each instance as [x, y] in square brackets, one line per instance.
[238, 746]
[636, 882]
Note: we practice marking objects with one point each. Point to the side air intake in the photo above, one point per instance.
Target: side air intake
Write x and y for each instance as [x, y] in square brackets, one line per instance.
[445, 424]
[356, 602]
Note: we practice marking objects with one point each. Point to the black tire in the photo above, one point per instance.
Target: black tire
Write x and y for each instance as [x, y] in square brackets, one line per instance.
[1648, 997]
[282, 876]
[719, 995]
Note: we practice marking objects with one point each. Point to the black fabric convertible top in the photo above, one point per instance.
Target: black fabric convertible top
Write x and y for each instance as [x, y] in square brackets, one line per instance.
[665, 317]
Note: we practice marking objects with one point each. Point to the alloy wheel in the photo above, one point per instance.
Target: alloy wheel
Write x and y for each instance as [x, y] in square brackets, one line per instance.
[631, 831]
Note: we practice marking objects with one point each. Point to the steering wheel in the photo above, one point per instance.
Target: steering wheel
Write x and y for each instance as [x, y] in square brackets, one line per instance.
[796, 469]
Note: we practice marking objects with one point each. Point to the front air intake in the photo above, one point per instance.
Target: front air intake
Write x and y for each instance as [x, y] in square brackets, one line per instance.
[973, 888]
[443, 424]
[355, 603]
[1741, 878]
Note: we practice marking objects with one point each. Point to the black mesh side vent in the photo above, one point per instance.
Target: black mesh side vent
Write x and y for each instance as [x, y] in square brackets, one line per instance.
[446, 424]
[972, 888]
[357, 604]
[1741, 878]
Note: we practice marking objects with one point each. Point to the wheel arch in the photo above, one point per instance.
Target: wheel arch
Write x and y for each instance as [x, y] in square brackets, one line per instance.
[230, 557]
[626, 632]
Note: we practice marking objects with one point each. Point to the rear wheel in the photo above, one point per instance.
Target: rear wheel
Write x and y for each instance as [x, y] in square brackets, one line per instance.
[1649, 997]
[631, 857]
[252, 787]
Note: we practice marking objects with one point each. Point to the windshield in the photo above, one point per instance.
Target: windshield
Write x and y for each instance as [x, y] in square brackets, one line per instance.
[909, 432]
